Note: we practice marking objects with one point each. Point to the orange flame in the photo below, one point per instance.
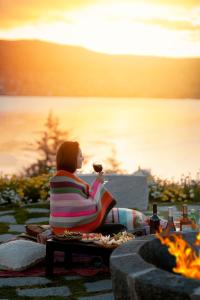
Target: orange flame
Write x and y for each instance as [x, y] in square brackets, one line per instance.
[187, 260]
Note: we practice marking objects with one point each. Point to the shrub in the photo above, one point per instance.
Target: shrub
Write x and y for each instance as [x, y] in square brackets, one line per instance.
[24, 189]
[187, 189]
[21, 189]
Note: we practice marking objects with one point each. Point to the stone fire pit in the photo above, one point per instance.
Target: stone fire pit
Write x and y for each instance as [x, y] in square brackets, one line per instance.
[142, 270]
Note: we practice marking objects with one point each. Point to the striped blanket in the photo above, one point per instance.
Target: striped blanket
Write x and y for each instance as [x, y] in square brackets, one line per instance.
[75, 206]
[130, 218]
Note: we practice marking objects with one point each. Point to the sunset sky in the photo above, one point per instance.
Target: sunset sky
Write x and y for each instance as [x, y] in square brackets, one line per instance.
[151, 27]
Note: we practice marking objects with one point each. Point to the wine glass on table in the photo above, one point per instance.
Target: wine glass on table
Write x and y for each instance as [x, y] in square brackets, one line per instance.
[98, 168]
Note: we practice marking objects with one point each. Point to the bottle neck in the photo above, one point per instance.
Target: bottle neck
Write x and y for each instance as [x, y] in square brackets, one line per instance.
[170, 219]
[155, 209]
[170, 214]
[185, 211]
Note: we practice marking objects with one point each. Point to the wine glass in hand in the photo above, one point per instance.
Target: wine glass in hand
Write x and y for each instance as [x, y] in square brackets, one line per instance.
[97, 167]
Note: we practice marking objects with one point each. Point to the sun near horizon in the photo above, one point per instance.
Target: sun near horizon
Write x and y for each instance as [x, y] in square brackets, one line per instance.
[155, 28]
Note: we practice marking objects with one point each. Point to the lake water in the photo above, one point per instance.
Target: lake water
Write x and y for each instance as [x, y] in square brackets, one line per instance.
[158, 134]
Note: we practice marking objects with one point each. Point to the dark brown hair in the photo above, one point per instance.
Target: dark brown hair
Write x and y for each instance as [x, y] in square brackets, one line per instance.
[66, 157]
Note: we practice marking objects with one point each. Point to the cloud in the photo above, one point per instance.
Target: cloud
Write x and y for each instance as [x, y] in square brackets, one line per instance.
[182, 3]
[173, 24]
[17, 13]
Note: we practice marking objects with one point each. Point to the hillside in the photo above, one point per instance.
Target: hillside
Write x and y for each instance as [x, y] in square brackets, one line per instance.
[40, 68]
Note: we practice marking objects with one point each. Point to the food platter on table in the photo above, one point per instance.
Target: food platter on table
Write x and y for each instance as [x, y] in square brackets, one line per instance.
[68, 236]
[78, 236]
[91, 237]
[96, 238]
[114, 241]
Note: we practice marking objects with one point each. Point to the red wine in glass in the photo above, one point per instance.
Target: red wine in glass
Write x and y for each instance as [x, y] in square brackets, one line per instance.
[97, 167]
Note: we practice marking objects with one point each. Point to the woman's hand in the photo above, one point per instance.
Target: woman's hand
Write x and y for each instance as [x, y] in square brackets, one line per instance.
[100, 177]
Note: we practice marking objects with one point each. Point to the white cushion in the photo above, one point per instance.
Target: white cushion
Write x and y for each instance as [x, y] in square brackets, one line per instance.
[19, 255]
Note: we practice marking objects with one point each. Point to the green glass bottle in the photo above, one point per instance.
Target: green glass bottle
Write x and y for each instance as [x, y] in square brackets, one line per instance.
[154, 221]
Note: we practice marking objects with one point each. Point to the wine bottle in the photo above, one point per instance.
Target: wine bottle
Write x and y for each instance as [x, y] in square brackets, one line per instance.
[154, 221]
[185, 221]
[170, 224]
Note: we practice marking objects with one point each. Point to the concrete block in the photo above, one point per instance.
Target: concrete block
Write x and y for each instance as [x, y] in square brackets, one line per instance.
[130, 191]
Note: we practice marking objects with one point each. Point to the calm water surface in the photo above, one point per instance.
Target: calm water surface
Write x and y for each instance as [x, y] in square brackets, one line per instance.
[161, 135]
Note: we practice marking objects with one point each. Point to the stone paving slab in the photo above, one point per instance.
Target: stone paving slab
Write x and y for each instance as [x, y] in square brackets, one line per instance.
[109, 296]
[45, 292]
[22, 281]
[38, 210]
[7, 237]
[100, 285]
[73, 277]
[8, 219]
[37, 220]
[17, 228]
[6, 212]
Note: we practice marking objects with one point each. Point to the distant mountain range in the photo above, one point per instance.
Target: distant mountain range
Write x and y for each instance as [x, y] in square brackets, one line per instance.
[41, 68]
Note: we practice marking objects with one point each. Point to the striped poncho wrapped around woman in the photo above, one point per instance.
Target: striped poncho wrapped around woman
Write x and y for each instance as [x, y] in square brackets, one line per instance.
[75, 206]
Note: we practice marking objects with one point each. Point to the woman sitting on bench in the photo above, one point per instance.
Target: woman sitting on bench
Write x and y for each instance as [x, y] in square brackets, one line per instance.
[76, 206]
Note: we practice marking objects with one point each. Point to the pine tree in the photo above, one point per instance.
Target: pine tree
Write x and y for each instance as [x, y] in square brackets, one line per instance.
[112, 164]
[51, 137]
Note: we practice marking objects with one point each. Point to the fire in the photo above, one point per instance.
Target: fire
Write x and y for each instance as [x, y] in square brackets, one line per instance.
[187, 260]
